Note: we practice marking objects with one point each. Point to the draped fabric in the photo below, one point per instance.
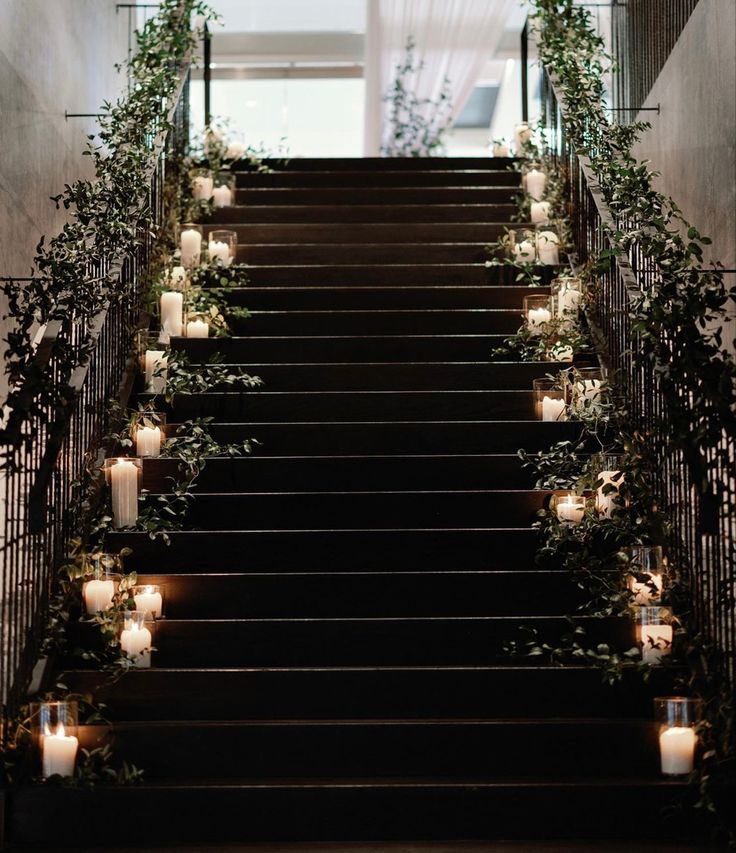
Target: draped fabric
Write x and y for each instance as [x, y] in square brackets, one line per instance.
[454, 39]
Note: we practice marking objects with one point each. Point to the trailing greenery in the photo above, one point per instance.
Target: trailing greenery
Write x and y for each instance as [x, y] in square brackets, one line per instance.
[185, 377]
[417, 125]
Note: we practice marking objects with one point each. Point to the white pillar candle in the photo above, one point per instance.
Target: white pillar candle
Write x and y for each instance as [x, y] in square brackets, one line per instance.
[219, 251]
[202, 188]
[59, 752]
[645, 592]
[656, 643]
[522, 134]
[677, 750]
[568, 301]
[172, 312]
[222, 196]
[235, 150]
[588, 390]
[536, 181]
[191, 246]
[149, 601]
[524, 251]
[500, 149]
[606, 503]
[198, 329]
[136, 642]
[177, 278]
[540, 212]
[548, 247]
[560, 353]
[148, 441]
[569, 511]
[98, 595]
[536, 318]
[124, 484]
[156, 362]
[553, 409]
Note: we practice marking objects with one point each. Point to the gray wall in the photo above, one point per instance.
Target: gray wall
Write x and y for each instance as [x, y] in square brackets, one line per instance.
[693, 141]
[54, 55]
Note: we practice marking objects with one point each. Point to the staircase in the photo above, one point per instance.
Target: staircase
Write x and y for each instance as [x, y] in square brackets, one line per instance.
[330, 664]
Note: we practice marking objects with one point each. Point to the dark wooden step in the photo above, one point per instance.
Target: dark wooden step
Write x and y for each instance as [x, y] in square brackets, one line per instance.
[355, 405]
[357, 298]
[337, 232]
[382, 164]
[361, 179]
[324, 810]
[265, 473]
[376, 213]
[380, 510]
[329, 550]
[361, 594]
[467, 692]
[355, 254]
[513, 749]
[350, 196]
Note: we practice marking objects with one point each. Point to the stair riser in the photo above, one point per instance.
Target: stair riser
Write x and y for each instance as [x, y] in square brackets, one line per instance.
[358, 181]
[350, 196]
[380, 164]
[363, 253]
[335, 233]
[348, 406]
[374, 510]
[309, 474]
[329, 550]
[369, 213]
[382, 594]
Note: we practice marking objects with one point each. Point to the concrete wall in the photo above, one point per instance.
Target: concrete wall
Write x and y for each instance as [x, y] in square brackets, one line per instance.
[55, 55]
[693, 141]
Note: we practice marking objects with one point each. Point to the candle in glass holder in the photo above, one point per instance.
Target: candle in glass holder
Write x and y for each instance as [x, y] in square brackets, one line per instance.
[500, 149]
[191, 246]
[548, 247]
[202, 188]
[177, 278]
[553, 409]
[98, 595]
[607, 498]
[148, 598]
[235, 150]
[568, 300]
[59, 752]
[535, 181]
[198, 329]
[570, 509]
[524, 252]
[219, 252]
[124, 486]
[646, 573]
[540, 212]
[536, 319]
[655, 633]
[561, 353]
[677, 717]
[135, 639]
[155, 367]
[588, 394]
[172, 312]
[222, 196]
[148, 441]
[522, 134]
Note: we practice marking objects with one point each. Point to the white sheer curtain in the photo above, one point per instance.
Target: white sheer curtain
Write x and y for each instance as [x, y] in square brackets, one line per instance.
[454, 38]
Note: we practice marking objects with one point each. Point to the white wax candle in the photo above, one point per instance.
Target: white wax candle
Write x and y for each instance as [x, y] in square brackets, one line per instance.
[156, 363]
[202, 188]
[553, 409]
[198, 329]
[606, 503]
[536, 318]
[59, 752]
[645, 592]
[172, 312]
[560, 353]
[656, 643]
[222, 196]
[191, 246]
[522, 134]
[548, 247]
[570, 512]
[177, 278]
[219, 251]
[524, 251]
[136, 642]
[124, 483]
[235, 150]
[677, 750]
[148, 441]
[536, 181]
[98, 595]
[568, 301]
[540, 211]
[588, 390]
[149, 601]
[500, 149]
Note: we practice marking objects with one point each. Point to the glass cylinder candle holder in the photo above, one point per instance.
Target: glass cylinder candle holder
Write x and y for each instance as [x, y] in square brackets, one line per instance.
[153, 361]
[197, 326]
[54, 732]
[123, 475]
[548, 244]
[567, 296]
[537, 313]
[136, 638]
[534, 180]
[202, 184]
[654, 632]
[149, 434]
[222, 246]
[190, 244]
[223, 192]
[646, 573]
[523, 246]
[607, 469]
[587, 390]
[677, 717]
[540, 212]
[177, 278]
[550, 402]
[105, 572]
[171, 311]
[569, 507]
[149, 598]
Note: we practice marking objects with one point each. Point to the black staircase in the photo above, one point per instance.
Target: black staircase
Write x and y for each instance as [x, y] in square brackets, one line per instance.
[330, 663]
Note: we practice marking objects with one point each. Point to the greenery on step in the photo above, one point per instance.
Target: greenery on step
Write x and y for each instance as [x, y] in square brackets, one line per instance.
[417, 125]
[186, 377]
